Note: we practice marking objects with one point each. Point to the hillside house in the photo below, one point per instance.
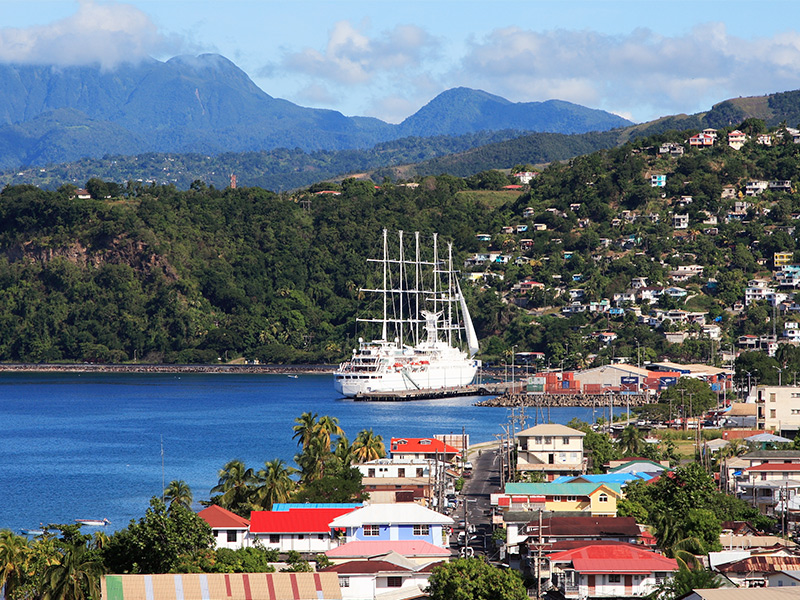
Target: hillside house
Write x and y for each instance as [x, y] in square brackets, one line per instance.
[422, 448]
[701, 140]
[765, 139]
[525, 177]
[755, 187]
[392, 480]
[671, 148]
[737, 139]
[658, 180]
[680, 221]
[300, 529]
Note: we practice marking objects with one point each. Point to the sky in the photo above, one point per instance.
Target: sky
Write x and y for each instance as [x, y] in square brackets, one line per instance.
[640, 59]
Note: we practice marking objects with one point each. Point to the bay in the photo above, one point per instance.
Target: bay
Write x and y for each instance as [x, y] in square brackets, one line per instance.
[89, 446]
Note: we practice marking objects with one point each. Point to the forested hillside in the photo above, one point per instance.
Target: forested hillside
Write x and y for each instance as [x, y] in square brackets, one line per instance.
[148, 272]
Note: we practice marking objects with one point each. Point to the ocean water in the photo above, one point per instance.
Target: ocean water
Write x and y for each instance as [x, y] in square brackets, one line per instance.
[89, 446]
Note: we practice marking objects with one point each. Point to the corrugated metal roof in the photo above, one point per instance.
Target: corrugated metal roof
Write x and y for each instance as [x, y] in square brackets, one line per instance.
[295, 520]
[761, 564]
[222, 586]
[550, 429]
[744, 594]
[367, 566]
[391, 514]
[220, 518]
[421, 446]
[559, 489]
[614, 558]
[587, 526]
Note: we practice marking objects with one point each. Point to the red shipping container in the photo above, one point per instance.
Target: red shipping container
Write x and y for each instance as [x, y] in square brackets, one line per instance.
[568, 375]
[576, 385]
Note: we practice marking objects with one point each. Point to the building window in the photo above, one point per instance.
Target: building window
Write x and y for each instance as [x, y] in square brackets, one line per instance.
[556, 498]
[537, 439]
[401, 472]
[422, 529]
[602, 498]
[370, 472]
[231, 535]
[548, 439]
[394, 582]
[613, 579]
[274, 538]
[772, 397]
[660, 577]
[344, 582]
[301, 536]
[420, 472]
[771, 413]
[372, 530]
[321, 536]
[572, 498]
[565, 441]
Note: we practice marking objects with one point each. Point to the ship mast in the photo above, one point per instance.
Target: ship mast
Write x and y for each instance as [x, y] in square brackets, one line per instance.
[417, 267]
[401, 295]
[385, 287]
[449, 294]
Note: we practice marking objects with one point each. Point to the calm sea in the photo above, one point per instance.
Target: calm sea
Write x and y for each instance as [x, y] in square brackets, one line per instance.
[89, 446]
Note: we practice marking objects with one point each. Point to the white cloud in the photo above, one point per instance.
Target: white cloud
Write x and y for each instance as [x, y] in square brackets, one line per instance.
[105, 34]
[352, 57]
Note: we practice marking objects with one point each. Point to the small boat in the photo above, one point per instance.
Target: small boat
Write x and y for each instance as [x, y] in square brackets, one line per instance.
[33, 532]
[93, 522]
[292, 376]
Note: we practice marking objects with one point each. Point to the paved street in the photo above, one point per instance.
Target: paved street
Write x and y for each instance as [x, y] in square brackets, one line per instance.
[476, 494]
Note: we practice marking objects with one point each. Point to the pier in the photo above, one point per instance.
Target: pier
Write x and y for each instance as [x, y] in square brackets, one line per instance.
[475, 389]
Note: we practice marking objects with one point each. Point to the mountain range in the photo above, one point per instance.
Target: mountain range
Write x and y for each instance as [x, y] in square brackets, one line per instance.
[206, 104]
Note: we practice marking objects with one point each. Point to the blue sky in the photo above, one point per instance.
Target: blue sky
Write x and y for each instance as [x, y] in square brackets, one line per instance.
[638, 58]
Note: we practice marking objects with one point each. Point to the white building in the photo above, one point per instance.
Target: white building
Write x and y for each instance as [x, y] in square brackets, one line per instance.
[551, 449]
[778, 408]
[387, 576]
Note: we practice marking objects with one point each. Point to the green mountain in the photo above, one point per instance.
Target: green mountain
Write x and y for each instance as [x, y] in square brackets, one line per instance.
[206, 104]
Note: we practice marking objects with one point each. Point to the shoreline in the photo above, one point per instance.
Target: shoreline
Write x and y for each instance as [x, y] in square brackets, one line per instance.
[167, 369]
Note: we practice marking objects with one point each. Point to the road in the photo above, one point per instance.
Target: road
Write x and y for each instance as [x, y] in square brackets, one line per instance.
[476, 498]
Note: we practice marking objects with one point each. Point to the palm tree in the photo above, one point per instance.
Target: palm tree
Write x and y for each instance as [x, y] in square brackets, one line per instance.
[312, 460]
[235, 481]
[178, 492]
[306, 428]
[344, 452]
[368, 446]
[274, 484]
[631, 440]
[75, 577]
[14, 555]
[327, 427]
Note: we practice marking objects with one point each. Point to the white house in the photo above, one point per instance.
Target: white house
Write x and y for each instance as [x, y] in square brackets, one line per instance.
[551, 449]
[300, 529]
[388, 575]
[229, 529]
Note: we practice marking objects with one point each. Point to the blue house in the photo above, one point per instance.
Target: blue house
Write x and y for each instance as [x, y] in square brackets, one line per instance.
[394, 522]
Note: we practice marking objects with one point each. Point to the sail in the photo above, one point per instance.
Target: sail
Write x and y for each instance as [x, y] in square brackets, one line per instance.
[472, 337]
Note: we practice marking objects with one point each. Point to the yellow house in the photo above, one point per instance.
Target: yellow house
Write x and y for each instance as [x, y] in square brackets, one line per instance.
[585, 499]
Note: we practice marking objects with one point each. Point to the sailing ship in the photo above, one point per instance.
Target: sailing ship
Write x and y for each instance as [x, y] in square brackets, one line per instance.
[426, 339]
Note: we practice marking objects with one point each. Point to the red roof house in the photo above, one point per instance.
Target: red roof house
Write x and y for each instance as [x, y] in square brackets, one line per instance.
[229, 529]
[609, 570]
[300, 529]
[422, 448]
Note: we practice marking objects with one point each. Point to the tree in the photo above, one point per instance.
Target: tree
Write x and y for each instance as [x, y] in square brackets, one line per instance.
[165, 540]
[336, 487]
[178, 492]
[235, 485]
[76, 576]
[686, 579]
[368, 446]
[306, 428]
[695, 395]
[14, 555]
[327, 427]
[474, 579]
[631, 441]
[274, 484]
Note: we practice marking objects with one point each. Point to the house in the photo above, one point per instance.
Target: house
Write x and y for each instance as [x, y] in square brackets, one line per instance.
[765, 139]
[671, 148]
[483, 237]
[780, 259]
[216, 586]
[658, 180]
[540, 227]
[528, 212]
[300, 529]
[754, 571]
[783, 185]
[82, 194]
[422, 448]
[737, 139]
[609, 570]
[767, 485]
[701, 140]
[375, 577]
[525, 177]
[728, 191]
[229, 529]
[397, 522]
[778, 409]
[551, 449]
[394, 480]
[579, 499]
[419, 552]
[585, 530]
[680, 221]
[754, 188]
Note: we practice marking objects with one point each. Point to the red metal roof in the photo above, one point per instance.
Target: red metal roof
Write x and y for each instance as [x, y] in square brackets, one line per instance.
[614, 558]
[421, 446]
[775, 467]
[295, 520]
[366, 566]
[761, 564]
[220, 518]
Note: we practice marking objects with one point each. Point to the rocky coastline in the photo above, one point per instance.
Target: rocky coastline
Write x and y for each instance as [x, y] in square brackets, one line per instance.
[553, 400]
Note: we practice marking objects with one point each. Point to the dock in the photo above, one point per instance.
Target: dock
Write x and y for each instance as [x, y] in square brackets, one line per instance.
[474, 389]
